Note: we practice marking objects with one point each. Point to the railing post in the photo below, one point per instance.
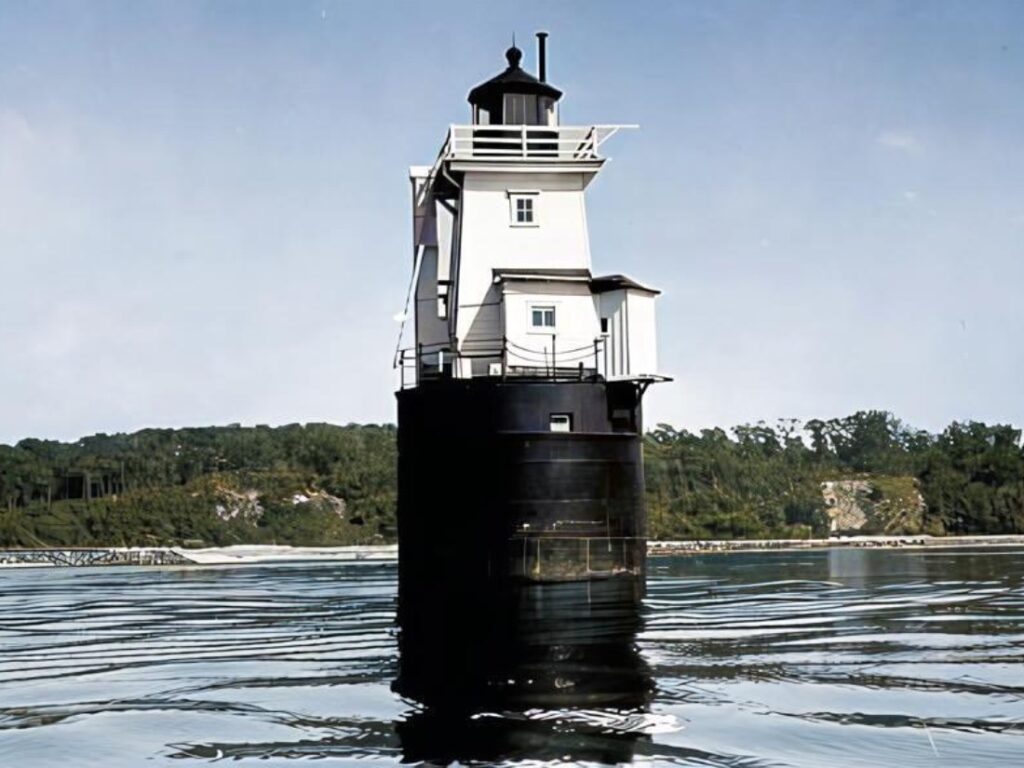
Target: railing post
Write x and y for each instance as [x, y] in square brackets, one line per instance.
[523, 132]
[504, 357]
[554, 358]
[596, 343]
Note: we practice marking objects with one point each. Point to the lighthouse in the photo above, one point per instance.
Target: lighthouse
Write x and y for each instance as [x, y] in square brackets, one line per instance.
[520, 380]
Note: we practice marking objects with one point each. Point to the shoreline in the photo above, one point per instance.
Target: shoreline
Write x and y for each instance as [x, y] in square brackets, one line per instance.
[265, 554]
[706, 546]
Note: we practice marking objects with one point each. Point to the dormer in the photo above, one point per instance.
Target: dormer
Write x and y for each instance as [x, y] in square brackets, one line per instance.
[515, 97]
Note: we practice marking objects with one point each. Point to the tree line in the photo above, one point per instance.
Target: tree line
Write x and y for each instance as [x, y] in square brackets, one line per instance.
[763, 481]
[321, 484]
[312, 484]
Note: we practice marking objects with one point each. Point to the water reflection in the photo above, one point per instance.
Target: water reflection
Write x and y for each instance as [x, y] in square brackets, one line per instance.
[539, 670]
[854, 567]
[866, 568]
[805, 659]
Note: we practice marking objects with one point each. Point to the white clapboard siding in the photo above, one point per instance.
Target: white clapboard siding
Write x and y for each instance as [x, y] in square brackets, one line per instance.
[479, 270]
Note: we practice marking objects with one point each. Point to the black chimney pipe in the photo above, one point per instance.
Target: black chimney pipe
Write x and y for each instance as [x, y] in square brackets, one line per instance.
[542, 56]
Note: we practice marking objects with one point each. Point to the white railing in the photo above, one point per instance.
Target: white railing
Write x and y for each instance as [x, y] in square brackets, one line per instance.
[528, 142]
[557, 143]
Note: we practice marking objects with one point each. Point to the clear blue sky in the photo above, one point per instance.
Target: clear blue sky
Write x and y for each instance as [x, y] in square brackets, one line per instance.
[204, 212]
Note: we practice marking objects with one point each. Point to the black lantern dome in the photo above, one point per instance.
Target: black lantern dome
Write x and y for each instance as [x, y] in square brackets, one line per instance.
[515, 97]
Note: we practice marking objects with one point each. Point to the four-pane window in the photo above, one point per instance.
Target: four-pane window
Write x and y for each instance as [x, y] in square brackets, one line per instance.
[524, 210]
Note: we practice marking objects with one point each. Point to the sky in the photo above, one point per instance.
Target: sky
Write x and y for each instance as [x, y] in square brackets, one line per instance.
[205, 211]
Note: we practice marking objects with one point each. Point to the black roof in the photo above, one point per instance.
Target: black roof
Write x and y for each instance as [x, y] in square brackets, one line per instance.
[514, 79]
[615, 282]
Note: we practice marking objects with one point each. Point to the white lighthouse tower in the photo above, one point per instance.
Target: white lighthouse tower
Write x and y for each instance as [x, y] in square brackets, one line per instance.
[520, 389]
[503, 283]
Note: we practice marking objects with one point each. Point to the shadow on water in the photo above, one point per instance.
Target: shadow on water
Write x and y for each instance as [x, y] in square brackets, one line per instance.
[545, 671]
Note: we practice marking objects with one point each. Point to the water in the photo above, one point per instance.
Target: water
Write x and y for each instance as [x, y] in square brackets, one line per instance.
[821, 658]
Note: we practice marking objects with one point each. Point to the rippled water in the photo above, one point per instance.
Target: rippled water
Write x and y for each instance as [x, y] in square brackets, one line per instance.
[823, 658]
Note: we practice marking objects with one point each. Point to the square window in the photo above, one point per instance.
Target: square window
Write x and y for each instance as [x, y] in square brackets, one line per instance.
[561, 422]
[542, 317]
[523, 209]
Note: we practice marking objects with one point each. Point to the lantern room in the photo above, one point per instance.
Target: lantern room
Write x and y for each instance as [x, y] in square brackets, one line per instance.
[515, 97]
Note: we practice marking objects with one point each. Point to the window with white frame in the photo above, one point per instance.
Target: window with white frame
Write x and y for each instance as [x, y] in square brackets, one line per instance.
[542, 317]
[523, 208]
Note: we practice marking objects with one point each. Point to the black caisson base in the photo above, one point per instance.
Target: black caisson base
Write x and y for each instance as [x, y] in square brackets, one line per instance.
[521, 550]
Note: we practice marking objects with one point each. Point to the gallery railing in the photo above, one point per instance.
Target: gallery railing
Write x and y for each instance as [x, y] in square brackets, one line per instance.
[516, 143]
[519, 142]
[502, 358]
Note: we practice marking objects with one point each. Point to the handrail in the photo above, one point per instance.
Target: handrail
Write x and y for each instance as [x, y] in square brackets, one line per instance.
[437, 360]
[530, 142]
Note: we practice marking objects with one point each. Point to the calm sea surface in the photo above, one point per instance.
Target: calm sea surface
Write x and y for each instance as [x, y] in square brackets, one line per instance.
[824, 658]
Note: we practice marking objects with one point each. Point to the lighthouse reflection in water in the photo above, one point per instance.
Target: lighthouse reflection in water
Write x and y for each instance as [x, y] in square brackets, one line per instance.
[494, 670]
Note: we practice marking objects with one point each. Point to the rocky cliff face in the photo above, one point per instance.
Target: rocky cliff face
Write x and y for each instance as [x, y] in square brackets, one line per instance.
[246, 504]
[890, 505]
